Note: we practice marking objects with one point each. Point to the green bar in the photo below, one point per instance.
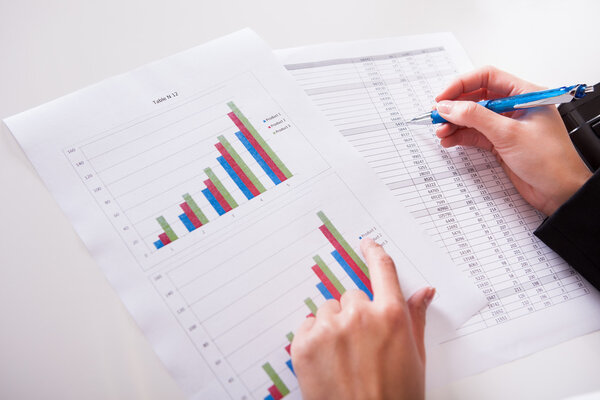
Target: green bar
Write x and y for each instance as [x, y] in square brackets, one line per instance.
[329, 274]
[188, 199]
[336, 234]
[260, 140]
[220, 187]
[276, 379]
[290, 336]
[167, 228]
[311, 305]
[259, 186]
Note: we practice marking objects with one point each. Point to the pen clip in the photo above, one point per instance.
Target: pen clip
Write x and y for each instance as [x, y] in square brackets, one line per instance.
[564, 96]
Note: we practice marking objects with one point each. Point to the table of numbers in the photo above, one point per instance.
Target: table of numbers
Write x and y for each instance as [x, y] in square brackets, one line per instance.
[461, 196]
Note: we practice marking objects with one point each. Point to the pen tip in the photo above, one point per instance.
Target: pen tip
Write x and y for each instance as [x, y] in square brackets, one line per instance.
[424, 119]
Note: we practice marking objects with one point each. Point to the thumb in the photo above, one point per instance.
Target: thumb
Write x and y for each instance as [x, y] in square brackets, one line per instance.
[472, 115]
[417, 307]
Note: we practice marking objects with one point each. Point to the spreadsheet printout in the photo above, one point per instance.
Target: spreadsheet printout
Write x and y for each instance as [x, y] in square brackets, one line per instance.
[223, 208]
[461, 196]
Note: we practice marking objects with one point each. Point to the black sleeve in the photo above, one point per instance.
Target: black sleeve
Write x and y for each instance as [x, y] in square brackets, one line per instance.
[573, 231]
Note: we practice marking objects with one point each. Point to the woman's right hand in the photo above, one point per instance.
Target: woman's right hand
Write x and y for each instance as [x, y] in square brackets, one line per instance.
[532, 145]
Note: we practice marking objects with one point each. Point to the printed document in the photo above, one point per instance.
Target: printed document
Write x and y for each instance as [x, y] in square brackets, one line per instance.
[462, 197]
[223, 208]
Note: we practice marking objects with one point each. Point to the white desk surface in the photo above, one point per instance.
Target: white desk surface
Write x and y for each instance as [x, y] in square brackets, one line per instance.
[64, 332]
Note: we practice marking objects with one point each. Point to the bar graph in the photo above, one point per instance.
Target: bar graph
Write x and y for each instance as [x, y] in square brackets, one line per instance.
[244, 309]
[239, 223]
[243, 229]
[215, 191]
[190, 171]
[329, 286]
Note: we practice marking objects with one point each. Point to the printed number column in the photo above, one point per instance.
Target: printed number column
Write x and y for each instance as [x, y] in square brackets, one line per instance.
[392, 156]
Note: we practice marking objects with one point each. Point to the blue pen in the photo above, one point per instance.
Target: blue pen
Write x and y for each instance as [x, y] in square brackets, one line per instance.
[553, 96]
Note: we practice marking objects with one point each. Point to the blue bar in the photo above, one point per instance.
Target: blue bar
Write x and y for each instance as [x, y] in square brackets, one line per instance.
[351, 273]
[186, 221]
[158, 244]
[235, 177]
[269, 397]
[289, 364]
[209, 196]
[324, 291]
[257, 157]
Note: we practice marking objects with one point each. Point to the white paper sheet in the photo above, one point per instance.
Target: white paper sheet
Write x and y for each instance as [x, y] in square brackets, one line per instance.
[462, 197]
[217, 290]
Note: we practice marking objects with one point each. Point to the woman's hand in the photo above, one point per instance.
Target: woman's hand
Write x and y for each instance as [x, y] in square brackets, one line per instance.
[532, 145]
[358, 349]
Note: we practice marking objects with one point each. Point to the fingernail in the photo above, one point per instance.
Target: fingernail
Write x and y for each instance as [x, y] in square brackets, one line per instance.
[367, 240]
[429, 296]
[444, 106]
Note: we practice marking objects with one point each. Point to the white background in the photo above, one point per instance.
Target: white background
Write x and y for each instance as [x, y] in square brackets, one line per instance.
[64, 333]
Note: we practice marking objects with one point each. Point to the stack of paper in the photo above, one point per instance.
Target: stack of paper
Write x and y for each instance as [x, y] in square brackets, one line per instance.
[224, 207]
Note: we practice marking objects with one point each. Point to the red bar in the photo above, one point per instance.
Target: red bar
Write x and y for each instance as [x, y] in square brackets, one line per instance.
[288, 348]
[257, 146]
[164, 238]
[340, 249]
[275, 393]
[215, 192]
[190, 214]
[334, 292]
[237, 169]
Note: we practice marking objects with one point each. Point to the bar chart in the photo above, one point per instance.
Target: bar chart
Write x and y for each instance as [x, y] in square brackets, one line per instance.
[215, 192]
[242, 229]
[179, 178]
[240, 224]
[329, 286]
[243, 311]
[223, 210]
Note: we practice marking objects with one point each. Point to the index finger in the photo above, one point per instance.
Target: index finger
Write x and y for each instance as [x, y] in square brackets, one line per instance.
[490, 78]
[384, 279]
